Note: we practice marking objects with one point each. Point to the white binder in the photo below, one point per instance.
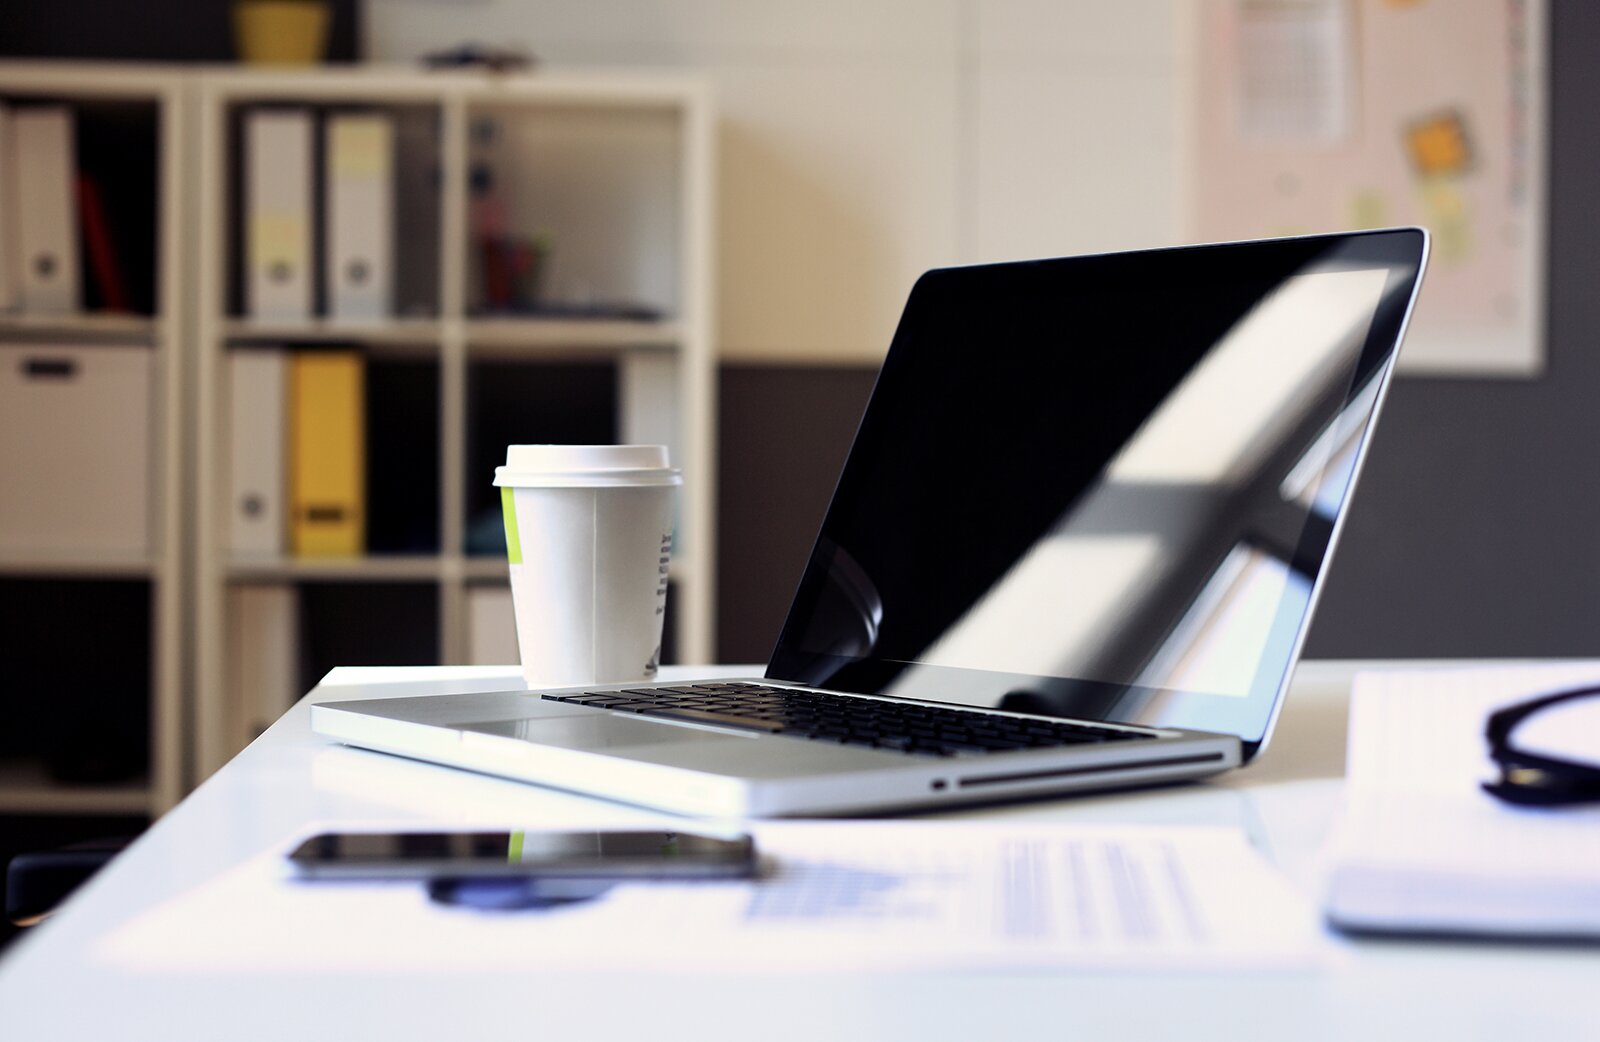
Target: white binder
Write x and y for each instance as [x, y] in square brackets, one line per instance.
[45, 163]
[278, 201]
[257, 381]
[9, 293]
[359, 262]
[263, 630]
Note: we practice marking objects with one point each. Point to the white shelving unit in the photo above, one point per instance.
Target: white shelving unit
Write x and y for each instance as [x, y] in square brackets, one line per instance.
[26, 785]
[618, 169]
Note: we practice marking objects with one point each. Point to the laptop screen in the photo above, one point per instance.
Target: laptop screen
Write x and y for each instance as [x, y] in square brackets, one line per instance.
[1105, 487]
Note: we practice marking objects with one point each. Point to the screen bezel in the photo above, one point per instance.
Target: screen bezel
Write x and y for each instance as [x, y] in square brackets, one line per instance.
[1401, 252]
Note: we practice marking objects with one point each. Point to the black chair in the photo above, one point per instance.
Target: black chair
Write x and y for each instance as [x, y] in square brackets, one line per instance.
[37, 883]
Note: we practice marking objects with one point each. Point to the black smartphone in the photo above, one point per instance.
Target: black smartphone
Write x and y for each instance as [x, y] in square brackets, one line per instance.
[531, 853]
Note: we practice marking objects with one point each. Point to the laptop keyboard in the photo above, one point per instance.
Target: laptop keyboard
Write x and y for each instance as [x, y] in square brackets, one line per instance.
[823, 717]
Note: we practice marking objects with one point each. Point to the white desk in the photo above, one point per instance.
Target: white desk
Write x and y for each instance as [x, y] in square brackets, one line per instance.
[52, 984]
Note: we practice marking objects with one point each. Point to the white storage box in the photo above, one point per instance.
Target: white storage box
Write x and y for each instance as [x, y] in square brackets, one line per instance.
[75, 448]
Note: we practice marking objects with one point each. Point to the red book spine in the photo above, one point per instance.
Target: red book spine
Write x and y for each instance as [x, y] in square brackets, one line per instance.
[97, 241]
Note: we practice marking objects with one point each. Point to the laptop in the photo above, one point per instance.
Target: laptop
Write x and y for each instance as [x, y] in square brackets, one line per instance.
[1075, 545]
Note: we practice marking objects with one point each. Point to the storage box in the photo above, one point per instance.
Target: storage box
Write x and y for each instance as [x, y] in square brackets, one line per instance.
[75, 448]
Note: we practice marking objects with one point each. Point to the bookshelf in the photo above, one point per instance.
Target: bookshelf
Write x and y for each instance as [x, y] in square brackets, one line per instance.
[612, 174]
[117, 677]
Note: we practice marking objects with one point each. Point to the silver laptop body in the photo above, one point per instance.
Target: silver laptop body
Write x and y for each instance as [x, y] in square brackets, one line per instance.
[1076, 545]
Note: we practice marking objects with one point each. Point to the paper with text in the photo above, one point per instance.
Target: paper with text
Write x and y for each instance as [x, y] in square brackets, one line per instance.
[836, 897]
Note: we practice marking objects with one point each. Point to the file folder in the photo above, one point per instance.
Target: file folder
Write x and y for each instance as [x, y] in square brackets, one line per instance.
[262, 665]
[257, 385]
[278, 202]
[47, 214]
[328, 454]
[359, 266]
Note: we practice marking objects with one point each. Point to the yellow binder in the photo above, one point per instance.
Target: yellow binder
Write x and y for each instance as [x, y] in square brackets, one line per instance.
[327, 494]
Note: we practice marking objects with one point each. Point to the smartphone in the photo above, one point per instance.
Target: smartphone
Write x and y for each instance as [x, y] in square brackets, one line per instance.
[531, 853]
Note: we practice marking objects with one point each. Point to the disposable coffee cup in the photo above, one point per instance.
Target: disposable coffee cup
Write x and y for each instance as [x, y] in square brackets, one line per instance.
[589, 537]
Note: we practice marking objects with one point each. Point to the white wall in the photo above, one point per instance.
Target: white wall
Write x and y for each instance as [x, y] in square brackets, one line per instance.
[864, 141]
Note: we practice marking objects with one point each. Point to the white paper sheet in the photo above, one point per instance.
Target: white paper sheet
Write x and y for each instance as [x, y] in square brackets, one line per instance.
[838, 897]
[1296, 64]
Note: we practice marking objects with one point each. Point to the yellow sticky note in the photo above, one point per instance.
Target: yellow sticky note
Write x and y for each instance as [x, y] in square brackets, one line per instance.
[1448, 217]
[1438, 144]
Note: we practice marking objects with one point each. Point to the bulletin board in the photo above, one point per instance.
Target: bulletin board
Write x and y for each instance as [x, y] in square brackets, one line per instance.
[1320, 115]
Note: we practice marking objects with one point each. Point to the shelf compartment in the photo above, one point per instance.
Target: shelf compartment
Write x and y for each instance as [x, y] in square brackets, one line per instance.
[572, 204]
[390, 625]
[414, 304]
[543, 403]
[87, 723]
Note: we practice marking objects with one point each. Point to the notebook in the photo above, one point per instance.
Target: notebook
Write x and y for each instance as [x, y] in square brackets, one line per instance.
[1420, 848]
[1075, 545]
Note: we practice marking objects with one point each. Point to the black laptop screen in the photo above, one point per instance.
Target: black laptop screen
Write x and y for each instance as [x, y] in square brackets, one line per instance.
[1105, 487]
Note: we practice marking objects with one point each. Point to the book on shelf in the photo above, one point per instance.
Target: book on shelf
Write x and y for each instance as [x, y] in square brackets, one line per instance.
[327, 453]
[257, 479]
[43, 159]
[278, 199]
[359, 237]
[109, 288]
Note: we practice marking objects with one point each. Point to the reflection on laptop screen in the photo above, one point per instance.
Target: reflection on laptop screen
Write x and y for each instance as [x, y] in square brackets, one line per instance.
[1105, 487]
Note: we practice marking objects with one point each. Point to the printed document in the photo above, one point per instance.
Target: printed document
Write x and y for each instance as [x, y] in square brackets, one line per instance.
[834, 897]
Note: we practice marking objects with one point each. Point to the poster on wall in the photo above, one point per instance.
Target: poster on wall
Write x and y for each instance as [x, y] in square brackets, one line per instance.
[1321, 115]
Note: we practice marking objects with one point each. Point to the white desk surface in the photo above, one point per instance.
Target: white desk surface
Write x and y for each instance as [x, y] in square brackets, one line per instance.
[52, 985]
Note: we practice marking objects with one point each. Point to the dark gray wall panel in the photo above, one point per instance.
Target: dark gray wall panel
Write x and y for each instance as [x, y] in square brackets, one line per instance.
[783, 435]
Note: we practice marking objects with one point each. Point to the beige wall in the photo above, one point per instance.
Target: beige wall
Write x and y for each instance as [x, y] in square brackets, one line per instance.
[863, 141]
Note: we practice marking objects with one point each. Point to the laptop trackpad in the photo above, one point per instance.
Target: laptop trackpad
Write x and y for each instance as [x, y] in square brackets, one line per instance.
[594, 731]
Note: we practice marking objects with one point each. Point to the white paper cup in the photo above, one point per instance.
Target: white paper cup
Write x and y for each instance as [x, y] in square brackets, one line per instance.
[588, 536]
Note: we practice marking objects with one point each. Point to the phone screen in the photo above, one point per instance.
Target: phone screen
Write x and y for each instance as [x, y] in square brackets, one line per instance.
[642, 854]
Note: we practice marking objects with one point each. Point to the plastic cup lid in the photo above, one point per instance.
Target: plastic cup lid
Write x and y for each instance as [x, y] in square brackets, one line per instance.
[586, 466]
